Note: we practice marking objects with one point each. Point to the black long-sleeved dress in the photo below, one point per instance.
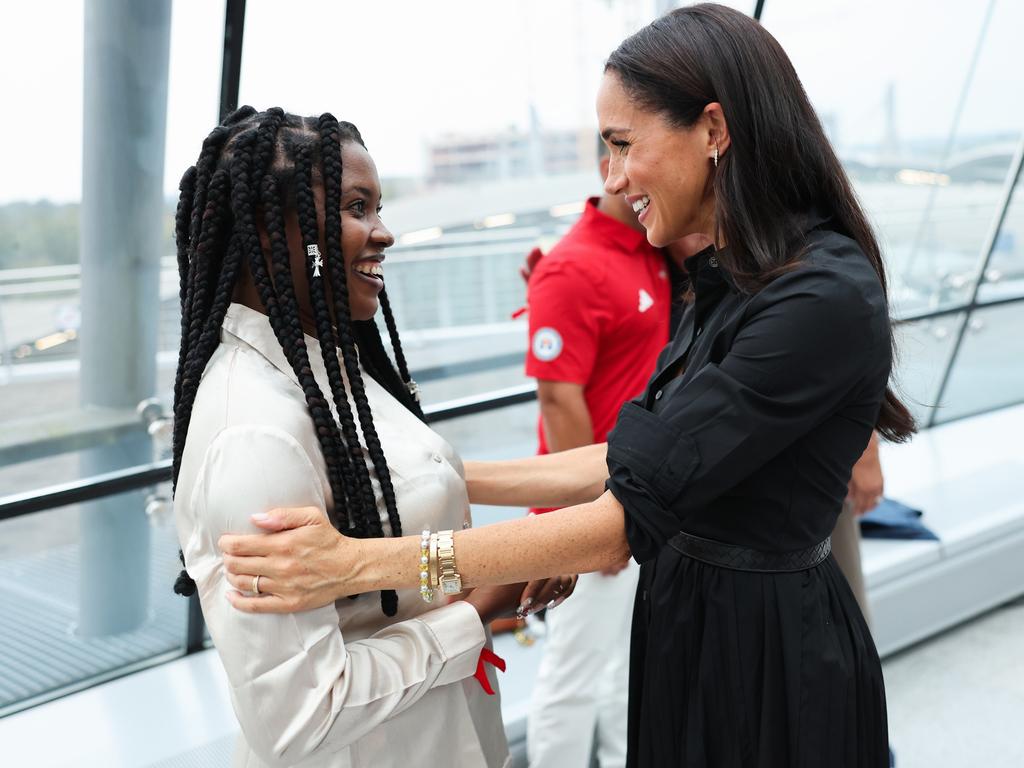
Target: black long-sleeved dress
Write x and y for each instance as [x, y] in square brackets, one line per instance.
[747, 434]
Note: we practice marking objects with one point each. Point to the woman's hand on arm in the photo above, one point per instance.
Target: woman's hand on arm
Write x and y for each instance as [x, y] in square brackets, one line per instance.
[306, 563]
[301, 564]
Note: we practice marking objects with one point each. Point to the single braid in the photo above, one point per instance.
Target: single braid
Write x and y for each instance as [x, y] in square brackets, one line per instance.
[412, 401]
[241, 114]
[182, 219]
[266, 144]
[396, 344]
[205, 165]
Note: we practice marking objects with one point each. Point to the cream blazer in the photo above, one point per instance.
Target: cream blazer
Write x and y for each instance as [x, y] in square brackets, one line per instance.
[343, 685]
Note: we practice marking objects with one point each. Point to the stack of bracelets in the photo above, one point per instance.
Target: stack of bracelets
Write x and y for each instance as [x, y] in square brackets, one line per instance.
[437, 565]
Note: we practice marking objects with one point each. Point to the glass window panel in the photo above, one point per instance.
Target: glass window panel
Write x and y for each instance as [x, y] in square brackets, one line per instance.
[989, 369]
[927, 158]
[1004, 277]
[86, 591]
[42, 406]
[923, 349]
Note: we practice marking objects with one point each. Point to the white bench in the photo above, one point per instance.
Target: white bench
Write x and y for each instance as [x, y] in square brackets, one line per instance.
[968, 479]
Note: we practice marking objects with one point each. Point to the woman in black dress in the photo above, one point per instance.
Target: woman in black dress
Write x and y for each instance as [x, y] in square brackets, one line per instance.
[725, 478]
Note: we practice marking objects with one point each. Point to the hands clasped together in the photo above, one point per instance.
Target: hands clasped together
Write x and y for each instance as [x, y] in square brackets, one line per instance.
[303, 562]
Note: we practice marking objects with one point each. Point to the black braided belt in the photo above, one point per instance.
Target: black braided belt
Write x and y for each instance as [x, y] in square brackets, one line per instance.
[743, 559]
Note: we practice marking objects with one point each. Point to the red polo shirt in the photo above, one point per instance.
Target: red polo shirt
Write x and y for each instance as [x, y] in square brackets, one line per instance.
[599, 314]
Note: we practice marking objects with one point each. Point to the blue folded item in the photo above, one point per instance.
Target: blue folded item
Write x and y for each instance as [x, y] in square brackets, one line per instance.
[892, 520]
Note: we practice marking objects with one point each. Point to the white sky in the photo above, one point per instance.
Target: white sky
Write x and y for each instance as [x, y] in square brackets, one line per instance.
[407, 70]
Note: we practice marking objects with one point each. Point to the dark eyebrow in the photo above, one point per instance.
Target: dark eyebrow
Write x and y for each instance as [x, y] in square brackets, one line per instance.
[609, 131]
[361, 190]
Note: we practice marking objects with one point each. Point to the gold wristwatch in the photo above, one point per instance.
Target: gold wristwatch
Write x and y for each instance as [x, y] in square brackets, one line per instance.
[448, 578]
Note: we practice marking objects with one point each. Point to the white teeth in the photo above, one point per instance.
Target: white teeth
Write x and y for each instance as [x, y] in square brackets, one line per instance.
[369, 268]
[639, 205]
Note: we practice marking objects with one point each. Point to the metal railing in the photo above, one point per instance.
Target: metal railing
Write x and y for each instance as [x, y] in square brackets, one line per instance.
[147, 475]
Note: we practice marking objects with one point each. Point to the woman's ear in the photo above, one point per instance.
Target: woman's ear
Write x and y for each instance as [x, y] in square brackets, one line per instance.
[718, 128]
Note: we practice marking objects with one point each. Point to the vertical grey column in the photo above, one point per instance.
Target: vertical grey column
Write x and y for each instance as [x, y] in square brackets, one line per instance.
[127, 47]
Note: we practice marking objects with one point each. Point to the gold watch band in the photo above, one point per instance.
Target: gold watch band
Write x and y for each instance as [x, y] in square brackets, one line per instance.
[449, 580]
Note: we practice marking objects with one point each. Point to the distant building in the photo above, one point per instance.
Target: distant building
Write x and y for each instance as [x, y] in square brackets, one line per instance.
[510, 154]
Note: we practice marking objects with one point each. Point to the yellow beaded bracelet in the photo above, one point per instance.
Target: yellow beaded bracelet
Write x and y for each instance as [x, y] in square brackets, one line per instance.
[426, 588]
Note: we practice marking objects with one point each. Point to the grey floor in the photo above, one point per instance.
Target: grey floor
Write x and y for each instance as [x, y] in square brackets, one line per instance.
[957, 700]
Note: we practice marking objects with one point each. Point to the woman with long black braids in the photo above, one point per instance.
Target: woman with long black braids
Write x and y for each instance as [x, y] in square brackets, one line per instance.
[725, 478]
[285, 395]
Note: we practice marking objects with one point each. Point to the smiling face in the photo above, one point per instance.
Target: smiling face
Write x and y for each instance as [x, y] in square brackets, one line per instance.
[662, 170]
[363, 235]
[363, 241]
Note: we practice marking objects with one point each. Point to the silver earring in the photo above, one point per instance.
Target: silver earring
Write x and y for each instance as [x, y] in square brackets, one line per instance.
[716, 156]
[314, 251]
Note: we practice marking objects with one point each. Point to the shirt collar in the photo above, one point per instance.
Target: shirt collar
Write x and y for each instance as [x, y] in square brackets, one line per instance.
[705, 272]
[624, 236]
[703, 267]
[253, 329]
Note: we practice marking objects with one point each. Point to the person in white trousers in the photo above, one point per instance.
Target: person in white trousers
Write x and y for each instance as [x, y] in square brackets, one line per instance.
[580, 695]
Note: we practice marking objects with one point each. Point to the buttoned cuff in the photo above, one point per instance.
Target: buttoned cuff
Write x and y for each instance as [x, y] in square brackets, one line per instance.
[460, 636]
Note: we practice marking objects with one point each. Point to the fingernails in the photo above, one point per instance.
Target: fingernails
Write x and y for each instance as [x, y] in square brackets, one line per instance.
[261, 517]
[524, 609]
[551, 604]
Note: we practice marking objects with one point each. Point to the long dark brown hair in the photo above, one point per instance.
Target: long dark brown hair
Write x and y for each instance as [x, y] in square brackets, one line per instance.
[779, 165]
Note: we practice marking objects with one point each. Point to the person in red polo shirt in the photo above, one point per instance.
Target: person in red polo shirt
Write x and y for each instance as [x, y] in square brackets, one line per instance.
[599, 315]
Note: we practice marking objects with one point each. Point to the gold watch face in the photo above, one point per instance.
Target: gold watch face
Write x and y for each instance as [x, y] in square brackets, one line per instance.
[451, 585]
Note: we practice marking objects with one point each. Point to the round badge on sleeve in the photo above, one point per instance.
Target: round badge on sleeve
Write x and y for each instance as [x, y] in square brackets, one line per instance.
[547, 344]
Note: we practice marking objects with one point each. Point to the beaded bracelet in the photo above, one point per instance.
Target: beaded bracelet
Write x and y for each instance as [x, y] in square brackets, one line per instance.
[426, 588]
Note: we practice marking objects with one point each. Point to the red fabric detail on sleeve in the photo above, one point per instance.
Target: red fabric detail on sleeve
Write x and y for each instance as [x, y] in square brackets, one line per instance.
[487, 656]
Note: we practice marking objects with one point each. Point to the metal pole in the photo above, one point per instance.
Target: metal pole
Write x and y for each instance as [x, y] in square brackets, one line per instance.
[231, 64]
[1012, 179]
[758, 10]
[127, 48]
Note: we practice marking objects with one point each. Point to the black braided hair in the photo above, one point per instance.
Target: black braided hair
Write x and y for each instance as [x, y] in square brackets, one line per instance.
[253, 169]
[359, 489]
[182, 217]
[330, 159]
[411, 401]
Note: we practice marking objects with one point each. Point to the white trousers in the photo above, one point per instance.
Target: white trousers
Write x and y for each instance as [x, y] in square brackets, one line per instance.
[582, 686]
